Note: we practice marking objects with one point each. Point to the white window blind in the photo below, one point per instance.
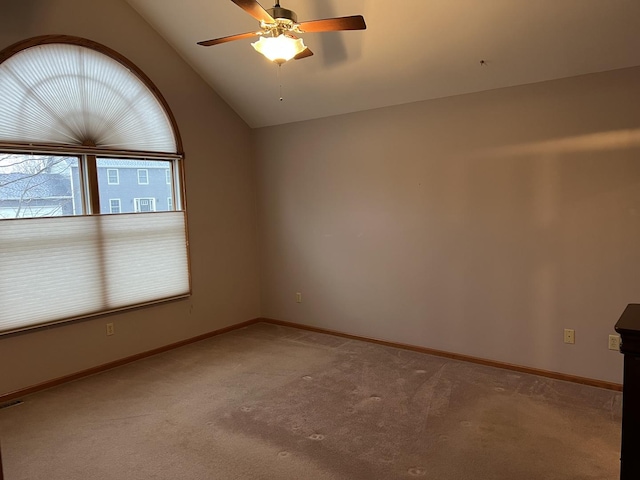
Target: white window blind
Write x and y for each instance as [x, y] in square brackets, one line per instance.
[59, 92]
[69, 94]
[53, 269]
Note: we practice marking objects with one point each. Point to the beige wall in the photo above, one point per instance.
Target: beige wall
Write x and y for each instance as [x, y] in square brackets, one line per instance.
[481, 224]
[220, 195]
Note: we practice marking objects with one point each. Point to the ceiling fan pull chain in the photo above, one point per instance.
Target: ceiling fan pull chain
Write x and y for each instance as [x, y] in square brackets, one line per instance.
[280, 81]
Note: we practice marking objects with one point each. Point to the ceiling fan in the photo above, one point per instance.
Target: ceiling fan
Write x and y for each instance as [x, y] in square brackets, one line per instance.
[278, 28]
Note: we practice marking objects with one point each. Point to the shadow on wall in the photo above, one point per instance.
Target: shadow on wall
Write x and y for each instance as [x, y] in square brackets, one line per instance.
[474, 250]
[17, 10]
[334, 51]
[583, 215]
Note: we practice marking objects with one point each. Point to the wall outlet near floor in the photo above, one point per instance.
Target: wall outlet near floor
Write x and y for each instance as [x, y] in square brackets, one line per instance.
[110, 329]
[569, 335]
[614, 342]
[298, 297]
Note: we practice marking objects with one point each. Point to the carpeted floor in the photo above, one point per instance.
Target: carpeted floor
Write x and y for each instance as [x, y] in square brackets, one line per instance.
[269, 402]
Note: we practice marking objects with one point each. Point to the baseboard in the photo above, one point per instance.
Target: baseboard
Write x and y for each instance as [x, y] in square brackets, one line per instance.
[456, 356]
[117, 363]
[466, 358]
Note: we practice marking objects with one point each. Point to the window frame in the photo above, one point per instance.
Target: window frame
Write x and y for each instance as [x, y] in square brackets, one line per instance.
[87, 154]
[88, 148]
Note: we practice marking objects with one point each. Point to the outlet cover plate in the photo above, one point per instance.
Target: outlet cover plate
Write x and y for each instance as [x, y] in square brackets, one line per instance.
[569, 335]
[614, 342]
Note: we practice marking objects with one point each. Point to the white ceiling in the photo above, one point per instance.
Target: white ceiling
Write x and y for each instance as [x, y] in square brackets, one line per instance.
[412, 50]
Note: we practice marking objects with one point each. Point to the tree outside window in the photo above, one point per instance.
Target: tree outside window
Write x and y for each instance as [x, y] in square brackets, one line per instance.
[38, 186]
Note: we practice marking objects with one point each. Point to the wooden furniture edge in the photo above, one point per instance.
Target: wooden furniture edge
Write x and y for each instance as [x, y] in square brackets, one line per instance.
[118, 363]
[456, 356]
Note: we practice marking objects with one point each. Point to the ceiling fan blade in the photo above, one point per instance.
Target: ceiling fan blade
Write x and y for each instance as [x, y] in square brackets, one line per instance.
[254, 9]
[355, 22]
[303, 54]
[230, 38]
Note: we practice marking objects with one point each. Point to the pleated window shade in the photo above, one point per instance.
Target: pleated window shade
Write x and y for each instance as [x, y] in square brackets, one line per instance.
[73, 95]
[61, 268]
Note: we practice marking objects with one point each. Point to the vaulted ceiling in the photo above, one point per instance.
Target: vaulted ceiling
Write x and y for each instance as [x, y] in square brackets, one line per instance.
[412, 50]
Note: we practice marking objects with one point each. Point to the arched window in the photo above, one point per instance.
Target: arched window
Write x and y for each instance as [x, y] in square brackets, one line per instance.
[91, 200]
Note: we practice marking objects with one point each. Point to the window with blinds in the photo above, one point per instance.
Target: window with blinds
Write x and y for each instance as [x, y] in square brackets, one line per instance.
[82, 230]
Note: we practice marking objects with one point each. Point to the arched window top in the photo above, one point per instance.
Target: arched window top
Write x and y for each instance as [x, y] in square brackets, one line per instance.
[69, 91]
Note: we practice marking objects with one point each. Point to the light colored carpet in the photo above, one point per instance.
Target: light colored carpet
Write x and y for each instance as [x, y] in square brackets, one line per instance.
[269, 402]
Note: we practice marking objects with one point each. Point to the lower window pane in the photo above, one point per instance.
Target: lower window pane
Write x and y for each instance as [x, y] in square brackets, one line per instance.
[135, 186]
[39, 186]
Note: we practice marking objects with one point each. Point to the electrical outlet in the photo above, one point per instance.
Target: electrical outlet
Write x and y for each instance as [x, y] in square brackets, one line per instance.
[614, 342]
[569, 335]
[298, 297]
[110, 329]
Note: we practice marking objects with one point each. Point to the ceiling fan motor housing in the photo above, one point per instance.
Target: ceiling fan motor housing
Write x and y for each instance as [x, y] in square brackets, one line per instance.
[278, 13]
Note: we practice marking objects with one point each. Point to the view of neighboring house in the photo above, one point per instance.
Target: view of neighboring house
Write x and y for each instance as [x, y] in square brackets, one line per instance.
[42, 195]
[128, 186]
[49, 186]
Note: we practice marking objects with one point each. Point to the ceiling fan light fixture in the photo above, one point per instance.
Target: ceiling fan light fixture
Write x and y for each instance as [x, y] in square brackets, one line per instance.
[279, 49]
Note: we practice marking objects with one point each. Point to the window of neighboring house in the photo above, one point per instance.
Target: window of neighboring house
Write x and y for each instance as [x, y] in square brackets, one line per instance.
[167, 176]
[113, 178]
[144, 204]
[114, 205]
[169, 203]
[105, 262]
[143, 177]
